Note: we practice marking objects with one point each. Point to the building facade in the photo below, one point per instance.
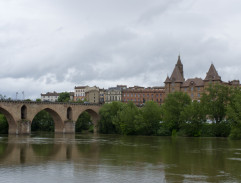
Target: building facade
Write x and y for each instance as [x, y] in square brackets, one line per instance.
[102, 96]
[139, 95]
[114, 93]
[93, 96]
[50, 96]
[79, 93]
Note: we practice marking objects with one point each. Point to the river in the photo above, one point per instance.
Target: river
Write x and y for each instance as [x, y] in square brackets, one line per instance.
[45, 158]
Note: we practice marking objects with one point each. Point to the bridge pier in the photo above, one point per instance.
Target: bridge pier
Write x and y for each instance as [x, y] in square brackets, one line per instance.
[23, 127]
[69, 127]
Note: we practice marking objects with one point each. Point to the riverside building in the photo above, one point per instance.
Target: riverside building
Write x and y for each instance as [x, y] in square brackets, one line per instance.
[194, 87]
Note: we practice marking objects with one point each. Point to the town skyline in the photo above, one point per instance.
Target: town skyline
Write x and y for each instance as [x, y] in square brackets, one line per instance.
[48, 46]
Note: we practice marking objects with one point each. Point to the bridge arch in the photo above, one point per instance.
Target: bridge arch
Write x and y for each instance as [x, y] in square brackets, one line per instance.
[94, 117]
[12, 125]
[58, 122]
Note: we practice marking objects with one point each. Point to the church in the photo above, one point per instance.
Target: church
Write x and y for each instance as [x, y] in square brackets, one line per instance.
[194, 87]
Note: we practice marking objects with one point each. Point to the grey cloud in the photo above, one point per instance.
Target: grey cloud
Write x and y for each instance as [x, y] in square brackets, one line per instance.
[61, 44]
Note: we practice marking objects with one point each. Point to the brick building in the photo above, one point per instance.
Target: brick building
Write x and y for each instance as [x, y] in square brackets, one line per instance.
[139, 95]
[194, 87]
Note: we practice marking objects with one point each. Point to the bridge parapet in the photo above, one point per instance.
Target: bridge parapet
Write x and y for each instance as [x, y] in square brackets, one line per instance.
[48, 102]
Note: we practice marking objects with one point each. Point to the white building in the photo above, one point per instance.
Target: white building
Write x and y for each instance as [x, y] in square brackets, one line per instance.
[79, 92]
[52, 97]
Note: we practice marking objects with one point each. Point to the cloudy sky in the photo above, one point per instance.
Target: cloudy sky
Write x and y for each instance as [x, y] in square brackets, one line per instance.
[54, 45]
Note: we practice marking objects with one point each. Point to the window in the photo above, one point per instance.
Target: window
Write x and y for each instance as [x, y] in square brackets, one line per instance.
[198, 95]
[192, 88]
[198, 88]
[185, 89]
[192, 95]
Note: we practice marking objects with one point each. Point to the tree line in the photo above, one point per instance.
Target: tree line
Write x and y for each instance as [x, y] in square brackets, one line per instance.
[217, 114]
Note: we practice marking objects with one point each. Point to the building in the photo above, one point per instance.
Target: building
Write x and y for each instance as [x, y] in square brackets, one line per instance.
[53, 96]
[114, 93]
[71, 95]
[79, 93]
[139, 95]
[50, 96]
[102, 96]
[93, 95]
[194, 87]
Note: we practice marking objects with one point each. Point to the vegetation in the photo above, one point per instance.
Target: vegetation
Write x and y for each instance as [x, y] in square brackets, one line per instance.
[38, 100]
[217, 114]
[128, 119]
[234, 114]
[3, 124]
[64, 97]
[84, 123]
[43, 122]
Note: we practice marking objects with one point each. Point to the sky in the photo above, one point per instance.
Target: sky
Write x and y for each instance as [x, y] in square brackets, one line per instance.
[55, 45]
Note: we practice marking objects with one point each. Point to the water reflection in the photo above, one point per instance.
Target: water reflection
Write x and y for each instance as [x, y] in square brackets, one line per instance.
[111, 158]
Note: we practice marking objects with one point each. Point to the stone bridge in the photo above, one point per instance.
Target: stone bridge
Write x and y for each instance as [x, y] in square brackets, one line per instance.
[20, 115]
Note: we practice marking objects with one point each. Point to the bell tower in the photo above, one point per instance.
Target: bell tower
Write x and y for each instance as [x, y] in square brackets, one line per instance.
[179, 65]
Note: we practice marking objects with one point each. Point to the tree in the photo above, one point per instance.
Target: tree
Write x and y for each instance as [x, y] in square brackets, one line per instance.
[147, 122]
[234, 114]
[215, 101]
[64, 97]
[107, 113]
[125, 119]
[172, 108]
[38, 100]
[83, 122]
[193, 117]
[3, 124]
[43, 122]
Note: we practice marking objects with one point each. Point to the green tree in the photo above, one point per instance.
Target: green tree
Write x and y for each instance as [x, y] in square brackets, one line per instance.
[64, 97]
[3, 124]
[125, 119]
[234, 114]
[43, 122]
[38, 100]
[215, 101]
[147, 122]
[193, 117]
[107, 113]
[172, 108]
[83, 122]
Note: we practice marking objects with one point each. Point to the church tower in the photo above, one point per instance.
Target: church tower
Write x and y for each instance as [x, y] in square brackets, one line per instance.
[176, 80]
[180, 66]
